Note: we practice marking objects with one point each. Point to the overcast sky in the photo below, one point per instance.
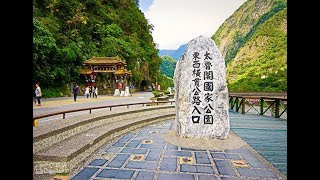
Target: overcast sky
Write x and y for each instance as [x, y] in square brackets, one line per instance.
[176, 22]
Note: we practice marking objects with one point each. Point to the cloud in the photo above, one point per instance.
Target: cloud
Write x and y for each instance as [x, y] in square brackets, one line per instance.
[178, 21]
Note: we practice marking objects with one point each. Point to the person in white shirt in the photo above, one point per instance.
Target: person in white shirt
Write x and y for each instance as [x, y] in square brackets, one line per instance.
[38, 94]
[86, 92]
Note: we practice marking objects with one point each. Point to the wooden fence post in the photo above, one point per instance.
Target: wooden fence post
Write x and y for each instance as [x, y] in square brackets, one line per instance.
[261, 106]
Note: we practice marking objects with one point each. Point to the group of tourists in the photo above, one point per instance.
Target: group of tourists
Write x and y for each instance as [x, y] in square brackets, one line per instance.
[91, 90]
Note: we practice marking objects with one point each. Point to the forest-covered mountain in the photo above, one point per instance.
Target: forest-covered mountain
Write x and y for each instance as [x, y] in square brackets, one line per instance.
[168, 65]
[175, 54]
[253, 41]
[68, 32]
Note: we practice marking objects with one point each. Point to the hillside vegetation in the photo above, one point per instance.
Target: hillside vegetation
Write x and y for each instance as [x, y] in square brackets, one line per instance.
[168, 65]
[254, 43]
[68, 32]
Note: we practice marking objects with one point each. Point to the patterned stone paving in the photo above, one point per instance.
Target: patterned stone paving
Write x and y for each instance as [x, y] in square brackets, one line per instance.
[145, 155]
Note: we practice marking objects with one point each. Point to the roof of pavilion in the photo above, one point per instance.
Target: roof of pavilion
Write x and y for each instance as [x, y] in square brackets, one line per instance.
[123, 71]
[85, 71]
[104, 61]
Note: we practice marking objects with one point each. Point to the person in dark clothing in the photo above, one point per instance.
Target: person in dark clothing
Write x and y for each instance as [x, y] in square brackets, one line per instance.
[90, 90]
[75, 91]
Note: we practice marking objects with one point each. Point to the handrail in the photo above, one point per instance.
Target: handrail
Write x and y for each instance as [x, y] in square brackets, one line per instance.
[95, 107]
[275, 101]
[157, 102]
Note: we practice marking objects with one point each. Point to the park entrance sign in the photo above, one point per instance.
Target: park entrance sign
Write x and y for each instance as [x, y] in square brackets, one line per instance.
[201, 93]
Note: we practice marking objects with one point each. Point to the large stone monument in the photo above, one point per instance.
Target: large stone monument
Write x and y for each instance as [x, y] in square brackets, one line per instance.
[201, 92]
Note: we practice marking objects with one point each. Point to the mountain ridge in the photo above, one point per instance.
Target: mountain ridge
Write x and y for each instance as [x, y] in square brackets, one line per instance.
[175, 54]
[253, 41]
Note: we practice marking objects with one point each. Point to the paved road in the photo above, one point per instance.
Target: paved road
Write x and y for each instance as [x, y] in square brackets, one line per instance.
[66, 103]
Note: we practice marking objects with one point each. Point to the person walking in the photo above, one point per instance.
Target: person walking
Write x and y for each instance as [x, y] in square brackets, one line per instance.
[131, 88]
[95, 91]
[86, 92]
[75, 91]
[38, 94]
[90, 90]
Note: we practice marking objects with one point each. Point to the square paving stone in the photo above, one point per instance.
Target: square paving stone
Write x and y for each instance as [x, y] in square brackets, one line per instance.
[123, 140]
[86, 173]
[118, 161]
[113, 149]
[143, 175]
[171, 147]
[154, 155]
[203, 161]
[134, 151]
[254, 162]
[168, 167]
[206, 177]
[167, 176]
[196, 169]
[151, 165]
[218, 155]
[262, 173]
[233, 156]
[178, 153]
[115, 173]
[132, 144]
[151, 146]
[217, 151]
[201, 155]
[169, 160]
[187, 149]
[98, 162]
[205, 169]
[118, 144]
[226, 170]
[222, 163]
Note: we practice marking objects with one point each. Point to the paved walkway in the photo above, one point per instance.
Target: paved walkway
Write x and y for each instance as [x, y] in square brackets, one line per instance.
[266, 135]
[143, 154]
[65, 103]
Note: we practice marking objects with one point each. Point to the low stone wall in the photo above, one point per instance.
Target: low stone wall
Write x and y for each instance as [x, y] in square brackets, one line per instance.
[42, 167]
[55, 138]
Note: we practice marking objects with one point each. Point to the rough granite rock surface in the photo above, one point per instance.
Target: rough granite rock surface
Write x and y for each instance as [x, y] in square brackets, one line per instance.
[201, 92]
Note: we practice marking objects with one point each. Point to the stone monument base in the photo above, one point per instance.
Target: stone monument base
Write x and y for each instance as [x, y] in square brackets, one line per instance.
[126, 92]
[122, 93]
[232, 141]
[116, 92]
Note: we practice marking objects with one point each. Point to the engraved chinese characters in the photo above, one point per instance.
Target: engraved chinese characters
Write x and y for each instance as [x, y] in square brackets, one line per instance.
[201, 93]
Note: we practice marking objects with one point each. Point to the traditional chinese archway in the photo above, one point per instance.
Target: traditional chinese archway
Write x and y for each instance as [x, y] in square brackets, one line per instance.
[112, 65]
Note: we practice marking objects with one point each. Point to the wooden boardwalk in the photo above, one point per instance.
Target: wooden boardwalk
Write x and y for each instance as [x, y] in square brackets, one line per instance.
[266, 135]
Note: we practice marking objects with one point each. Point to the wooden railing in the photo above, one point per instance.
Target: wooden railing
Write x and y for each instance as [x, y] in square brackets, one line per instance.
[235, 101]
[238, 102]
[96, 107]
